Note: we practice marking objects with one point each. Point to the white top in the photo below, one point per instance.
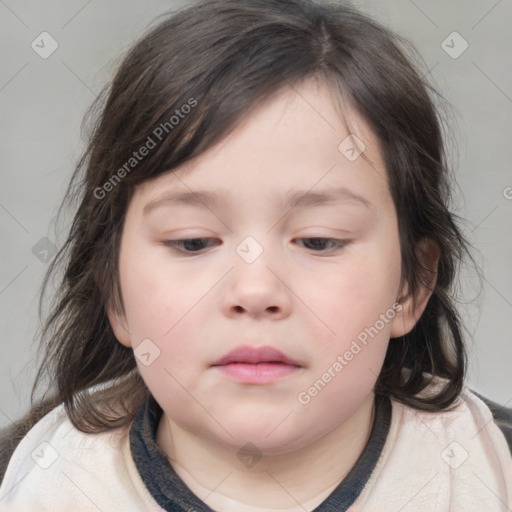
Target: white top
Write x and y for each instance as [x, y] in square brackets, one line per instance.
[456, 461]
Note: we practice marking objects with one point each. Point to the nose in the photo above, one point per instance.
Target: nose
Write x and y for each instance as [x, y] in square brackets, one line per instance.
[258, 289]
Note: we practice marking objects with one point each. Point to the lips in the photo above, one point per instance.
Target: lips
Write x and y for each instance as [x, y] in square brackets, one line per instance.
[255, 355]
[256, 365]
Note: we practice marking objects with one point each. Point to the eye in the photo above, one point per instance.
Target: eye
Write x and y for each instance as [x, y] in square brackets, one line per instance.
[320, 242]
[186, 245]
[195, 245]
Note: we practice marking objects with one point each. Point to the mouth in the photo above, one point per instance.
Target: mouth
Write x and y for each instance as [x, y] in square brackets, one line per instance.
[256, 365]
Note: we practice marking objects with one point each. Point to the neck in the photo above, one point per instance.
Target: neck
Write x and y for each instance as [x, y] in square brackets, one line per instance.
[298, 480]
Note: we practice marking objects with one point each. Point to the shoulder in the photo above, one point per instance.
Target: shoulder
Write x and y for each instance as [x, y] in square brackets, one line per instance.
[455, 459]
[472, 427]
[57, 467]
[502, 416]
[471, 412]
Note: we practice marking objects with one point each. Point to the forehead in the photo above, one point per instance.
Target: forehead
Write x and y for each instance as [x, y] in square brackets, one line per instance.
[295, 142]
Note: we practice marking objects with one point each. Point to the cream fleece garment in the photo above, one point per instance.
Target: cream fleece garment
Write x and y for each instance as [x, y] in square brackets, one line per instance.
[454, 461]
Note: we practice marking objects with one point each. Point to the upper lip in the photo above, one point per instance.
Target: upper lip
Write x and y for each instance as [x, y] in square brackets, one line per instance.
[248, 354]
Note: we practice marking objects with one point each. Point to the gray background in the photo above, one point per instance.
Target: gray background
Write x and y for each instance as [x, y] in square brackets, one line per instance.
[43, 102]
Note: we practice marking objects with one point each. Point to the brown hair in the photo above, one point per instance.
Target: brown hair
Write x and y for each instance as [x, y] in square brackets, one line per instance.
[228, 56]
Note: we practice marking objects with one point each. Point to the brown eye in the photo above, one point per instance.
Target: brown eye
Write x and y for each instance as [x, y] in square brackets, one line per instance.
[319, 243]
[186, 245]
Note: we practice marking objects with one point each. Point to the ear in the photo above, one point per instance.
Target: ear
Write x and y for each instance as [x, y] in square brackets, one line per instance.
[119, 326]
[413, 305]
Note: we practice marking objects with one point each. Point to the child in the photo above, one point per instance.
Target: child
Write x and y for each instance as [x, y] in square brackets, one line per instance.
[256, 310]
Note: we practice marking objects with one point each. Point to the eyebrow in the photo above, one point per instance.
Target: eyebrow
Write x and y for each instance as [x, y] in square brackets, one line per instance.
[294, 199]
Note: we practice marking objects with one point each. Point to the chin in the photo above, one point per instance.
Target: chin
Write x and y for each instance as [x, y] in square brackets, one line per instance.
[268, 440]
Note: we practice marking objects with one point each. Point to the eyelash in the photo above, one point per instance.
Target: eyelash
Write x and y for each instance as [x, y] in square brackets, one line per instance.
[177, 245]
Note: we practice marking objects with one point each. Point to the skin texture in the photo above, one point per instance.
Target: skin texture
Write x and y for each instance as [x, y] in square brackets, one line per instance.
[309, 301]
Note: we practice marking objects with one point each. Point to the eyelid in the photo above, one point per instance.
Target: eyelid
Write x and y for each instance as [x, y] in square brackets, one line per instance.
[338, 243]
[175, 244]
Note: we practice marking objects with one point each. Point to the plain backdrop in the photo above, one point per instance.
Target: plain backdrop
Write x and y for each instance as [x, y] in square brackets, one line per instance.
[43, 101]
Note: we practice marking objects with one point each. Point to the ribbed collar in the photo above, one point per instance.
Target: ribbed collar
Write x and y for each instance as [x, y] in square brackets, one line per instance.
[173, 495]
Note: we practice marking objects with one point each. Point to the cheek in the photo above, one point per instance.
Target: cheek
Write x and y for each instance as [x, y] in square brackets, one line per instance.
[156, 295]
[356, 309]
[162, 305]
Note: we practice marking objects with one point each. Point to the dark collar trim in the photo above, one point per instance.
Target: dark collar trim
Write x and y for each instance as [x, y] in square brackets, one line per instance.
[172, 494]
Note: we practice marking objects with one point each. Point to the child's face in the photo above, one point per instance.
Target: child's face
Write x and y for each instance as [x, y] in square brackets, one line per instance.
[313, 301]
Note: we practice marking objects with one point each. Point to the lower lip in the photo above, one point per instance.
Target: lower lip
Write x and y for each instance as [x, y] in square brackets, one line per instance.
[258, 373]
